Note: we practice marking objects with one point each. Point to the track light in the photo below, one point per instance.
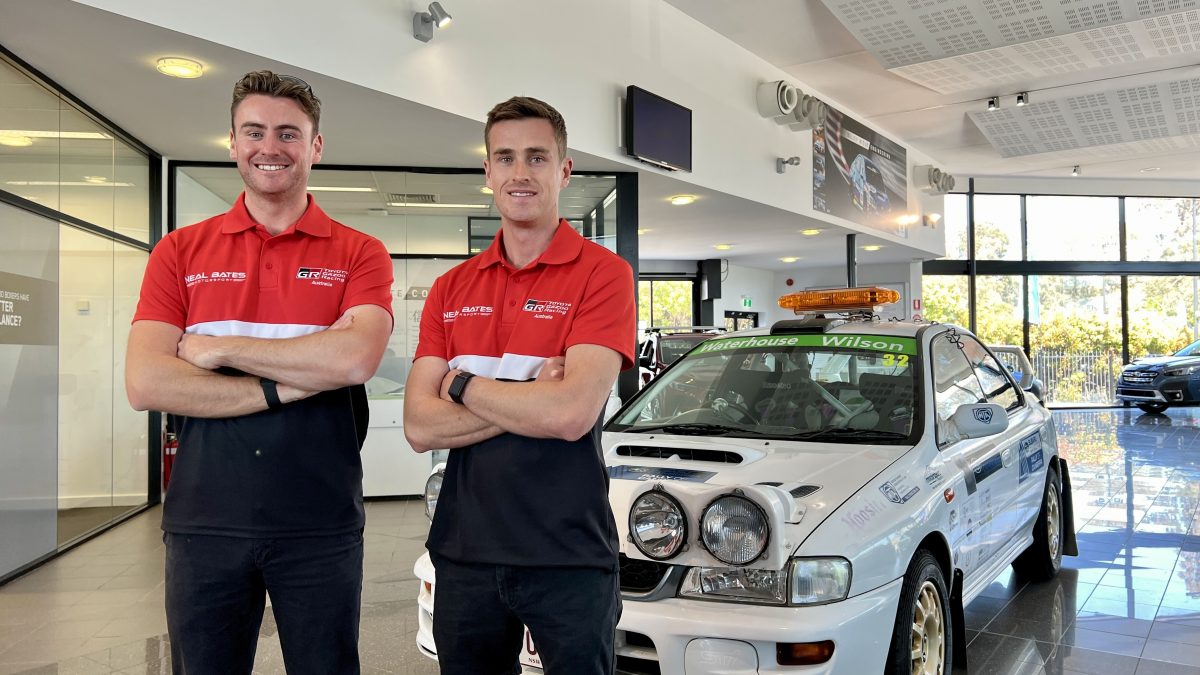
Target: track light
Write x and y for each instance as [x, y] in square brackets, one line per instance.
[1075, 170]
[423, 22]
[993, 103]
[1022, 98]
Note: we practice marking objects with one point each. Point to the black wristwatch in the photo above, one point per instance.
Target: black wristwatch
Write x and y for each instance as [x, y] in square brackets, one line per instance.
[458, 385]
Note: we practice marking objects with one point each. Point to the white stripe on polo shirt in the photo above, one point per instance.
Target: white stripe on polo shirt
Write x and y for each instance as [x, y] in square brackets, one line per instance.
[516, 367]
[253, 329]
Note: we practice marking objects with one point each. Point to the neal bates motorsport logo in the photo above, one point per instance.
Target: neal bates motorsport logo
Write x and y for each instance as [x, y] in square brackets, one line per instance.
[546, 309]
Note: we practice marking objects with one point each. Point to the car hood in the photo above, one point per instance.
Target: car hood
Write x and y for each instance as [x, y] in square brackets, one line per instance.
[817, 477]
[1159, 362]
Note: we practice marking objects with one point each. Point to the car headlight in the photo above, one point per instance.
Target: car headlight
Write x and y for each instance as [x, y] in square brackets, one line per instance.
[1186, 370]
[735, 530]
[816, 581]
[735, 584]
[658, 525]
[433, 487]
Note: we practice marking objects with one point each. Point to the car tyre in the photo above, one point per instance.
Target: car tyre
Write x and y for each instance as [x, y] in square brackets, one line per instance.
[922, 639]
[1152, 407]
[1042, 560]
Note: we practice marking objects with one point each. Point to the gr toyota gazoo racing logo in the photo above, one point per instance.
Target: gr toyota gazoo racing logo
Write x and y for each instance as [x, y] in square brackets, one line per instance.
[546, 309]
[321, 276]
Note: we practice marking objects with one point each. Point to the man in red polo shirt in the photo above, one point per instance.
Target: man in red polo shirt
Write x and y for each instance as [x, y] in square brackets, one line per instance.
[259, 327]
[519, 347]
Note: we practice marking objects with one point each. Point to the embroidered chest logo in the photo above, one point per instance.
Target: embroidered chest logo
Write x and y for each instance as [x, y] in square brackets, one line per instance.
[546, 309]
[321, 276]
[212, 277]
[467, 312]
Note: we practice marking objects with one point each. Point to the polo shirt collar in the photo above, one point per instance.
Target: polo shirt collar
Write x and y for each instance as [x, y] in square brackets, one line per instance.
[564, 247]
[314, 222]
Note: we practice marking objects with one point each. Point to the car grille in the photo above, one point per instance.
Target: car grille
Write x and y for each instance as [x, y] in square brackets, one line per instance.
[641, 576]
[1138, 377]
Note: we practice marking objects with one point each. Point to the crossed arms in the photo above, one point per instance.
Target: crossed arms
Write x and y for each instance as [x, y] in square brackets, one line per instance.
[563, 402]
[170, 371]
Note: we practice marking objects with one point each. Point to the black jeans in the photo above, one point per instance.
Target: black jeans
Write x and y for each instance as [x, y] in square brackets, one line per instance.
[216, 590]
[479, 610]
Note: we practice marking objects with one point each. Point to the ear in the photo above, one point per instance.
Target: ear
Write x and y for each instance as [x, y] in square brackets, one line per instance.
[318, 148]
[487, 174]
[232, 147]
[566, 171]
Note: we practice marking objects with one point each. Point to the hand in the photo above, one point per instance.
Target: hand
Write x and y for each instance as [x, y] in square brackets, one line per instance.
[202, 351]
[553, 370]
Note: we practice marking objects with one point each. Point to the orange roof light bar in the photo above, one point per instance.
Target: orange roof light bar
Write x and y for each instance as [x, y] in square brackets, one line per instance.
[839, 299]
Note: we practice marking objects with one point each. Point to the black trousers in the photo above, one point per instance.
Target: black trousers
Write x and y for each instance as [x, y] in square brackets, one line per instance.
[216, 590]
[479, 614]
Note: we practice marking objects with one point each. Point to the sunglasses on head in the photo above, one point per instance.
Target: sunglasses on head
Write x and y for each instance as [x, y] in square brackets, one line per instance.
[292, 79]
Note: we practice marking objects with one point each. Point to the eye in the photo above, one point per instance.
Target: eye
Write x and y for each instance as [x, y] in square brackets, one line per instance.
[254, 134]
[288, 136]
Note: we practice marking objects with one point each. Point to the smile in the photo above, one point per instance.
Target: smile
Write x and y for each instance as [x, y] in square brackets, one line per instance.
[270, 167]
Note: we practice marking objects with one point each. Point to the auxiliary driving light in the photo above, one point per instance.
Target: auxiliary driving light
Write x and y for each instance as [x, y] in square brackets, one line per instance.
[735, 530]
[658, 525]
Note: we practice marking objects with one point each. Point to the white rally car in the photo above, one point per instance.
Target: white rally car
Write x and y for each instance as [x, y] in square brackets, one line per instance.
[824, 496]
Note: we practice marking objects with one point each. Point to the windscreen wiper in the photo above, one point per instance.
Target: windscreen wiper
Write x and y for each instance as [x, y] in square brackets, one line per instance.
[694, 429]
[846, 433]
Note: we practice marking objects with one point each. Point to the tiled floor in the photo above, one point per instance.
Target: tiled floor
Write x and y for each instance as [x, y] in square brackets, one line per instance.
[1128, 605]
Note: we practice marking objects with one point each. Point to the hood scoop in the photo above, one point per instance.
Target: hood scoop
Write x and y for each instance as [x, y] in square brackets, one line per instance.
[689, 454]
[804, 490]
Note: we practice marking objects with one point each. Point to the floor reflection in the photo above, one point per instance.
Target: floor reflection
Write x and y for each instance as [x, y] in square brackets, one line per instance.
[1129, 604]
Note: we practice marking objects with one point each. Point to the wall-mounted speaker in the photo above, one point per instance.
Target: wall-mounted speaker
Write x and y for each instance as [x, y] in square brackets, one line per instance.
[810, 112]
[776, 100]
[931, 179]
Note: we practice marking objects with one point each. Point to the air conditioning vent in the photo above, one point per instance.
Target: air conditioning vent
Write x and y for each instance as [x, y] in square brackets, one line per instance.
[407, 198]
[804, 490]
[691, 454]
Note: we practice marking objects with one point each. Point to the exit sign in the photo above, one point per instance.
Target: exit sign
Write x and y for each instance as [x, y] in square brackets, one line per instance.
[746, 302]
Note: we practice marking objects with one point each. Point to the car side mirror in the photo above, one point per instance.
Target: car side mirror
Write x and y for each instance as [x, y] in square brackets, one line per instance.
[977, 420]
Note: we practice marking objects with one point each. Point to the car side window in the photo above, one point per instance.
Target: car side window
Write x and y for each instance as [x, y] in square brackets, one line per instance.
[997, 384]
[954, 384]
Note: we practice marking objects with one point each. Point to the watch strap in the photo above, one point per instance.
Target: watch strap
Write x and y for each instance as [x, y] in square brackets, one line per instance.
[270, 393]
[459, 385]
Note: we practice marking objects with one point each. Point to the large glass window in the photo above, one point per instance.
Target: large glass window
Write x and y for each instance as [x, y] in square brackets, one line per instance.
[954, 223]
[999, 310]
[1072, 228]
[1162, 229]
[664, 303]
[946, 299]
[1075, 336]
[998, 227]
[1162, 314]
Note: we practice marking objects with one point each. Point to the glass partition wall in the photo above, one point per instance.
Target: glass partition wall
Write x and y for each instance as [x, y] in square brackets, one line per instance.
[77, 198]
[1084, 284]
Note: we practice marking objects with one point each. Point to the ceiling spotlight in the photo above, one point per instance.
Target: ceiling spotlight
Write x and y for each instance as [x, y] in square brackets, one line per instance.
[175, 66]
[15, 140]
[1075, 170]
[1022, 98]
[643, 230]
[872, 247]
[789, 259]
[682, 200]
[1150, 169]
[722, 247]
[781, 162]
[810, 232]
[423, 22]
[993, 103]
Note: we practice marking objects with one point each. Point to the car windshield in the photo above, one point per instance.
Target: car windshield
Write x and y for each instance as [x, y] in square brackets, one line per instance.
[1190, 350]
[674, 347]
[830, 388]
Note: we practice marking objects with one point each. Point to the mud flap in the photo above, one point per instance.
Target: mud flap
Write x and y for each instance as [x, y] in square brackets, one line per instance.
[959, 626]
[1070, 547]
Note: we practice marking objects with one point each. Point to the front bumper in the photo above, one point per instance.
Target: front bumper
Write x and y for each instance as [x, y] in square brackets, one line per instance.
[677, 636]
[1161, 389]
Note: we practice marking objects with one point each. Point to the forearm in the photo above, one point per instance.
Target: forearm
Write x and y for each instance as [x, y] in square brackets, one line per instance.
[171, 385]
[317, 362]
[431, 423]
[538, 409]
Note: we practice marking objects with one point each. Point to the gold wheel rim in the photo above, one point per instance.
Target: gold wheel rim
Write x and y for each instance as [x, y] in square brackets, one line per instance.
[928, 632]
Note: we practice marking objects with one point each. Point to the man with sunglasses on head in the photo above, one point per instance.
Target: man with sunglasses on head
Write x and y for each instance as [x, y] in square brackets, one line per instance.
[519, 348]
[258, 327]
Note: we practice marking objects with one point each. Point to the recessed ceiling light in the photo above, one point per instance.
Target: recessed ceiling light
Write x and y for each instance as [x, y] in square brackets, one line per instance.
[95, 179]
[810, 232]
[872, 247]
[40, 133]
[644, 230]
[14, 140]
[789, 259]
[338, 188]
[1150, 169]
[486, 190]
[175, 66]
[65, 183]
[722, 247]
[682, 200]
[426, 205]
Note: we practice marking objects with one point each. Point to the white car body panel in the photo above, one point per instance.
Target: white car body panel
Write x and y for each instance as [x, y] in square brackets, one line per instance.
[875, 506]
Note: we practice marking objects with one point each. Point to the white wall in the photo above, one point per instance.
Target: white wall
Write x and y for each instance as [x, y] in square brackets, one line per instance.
[579, 56]
[746, 283]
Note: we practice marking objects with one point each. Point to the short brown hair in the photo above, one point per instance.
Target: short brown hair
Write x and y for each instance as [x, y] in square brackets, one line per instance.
[525, 107]
[281, 86]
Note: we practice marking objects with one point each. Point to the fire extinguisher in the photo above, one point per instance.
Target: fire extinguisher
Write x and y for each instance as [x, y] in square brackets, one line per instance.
[170, 446]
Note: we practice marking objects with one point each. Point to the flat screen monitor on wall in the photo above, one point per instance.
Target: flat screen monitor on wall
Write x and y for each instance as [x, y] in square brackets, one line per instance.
[657, 131]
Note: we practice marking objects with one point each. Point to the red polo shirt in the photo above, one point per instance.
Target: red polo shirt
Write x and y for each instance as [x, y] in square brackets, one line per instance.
[515, 500]
[293, 471]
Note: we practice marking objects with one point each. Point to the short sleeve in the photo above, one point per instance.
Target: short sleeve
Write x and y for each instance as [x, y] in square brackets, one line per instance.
[370, 281]
[607, 315]
[431, 338]
[161, 297]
